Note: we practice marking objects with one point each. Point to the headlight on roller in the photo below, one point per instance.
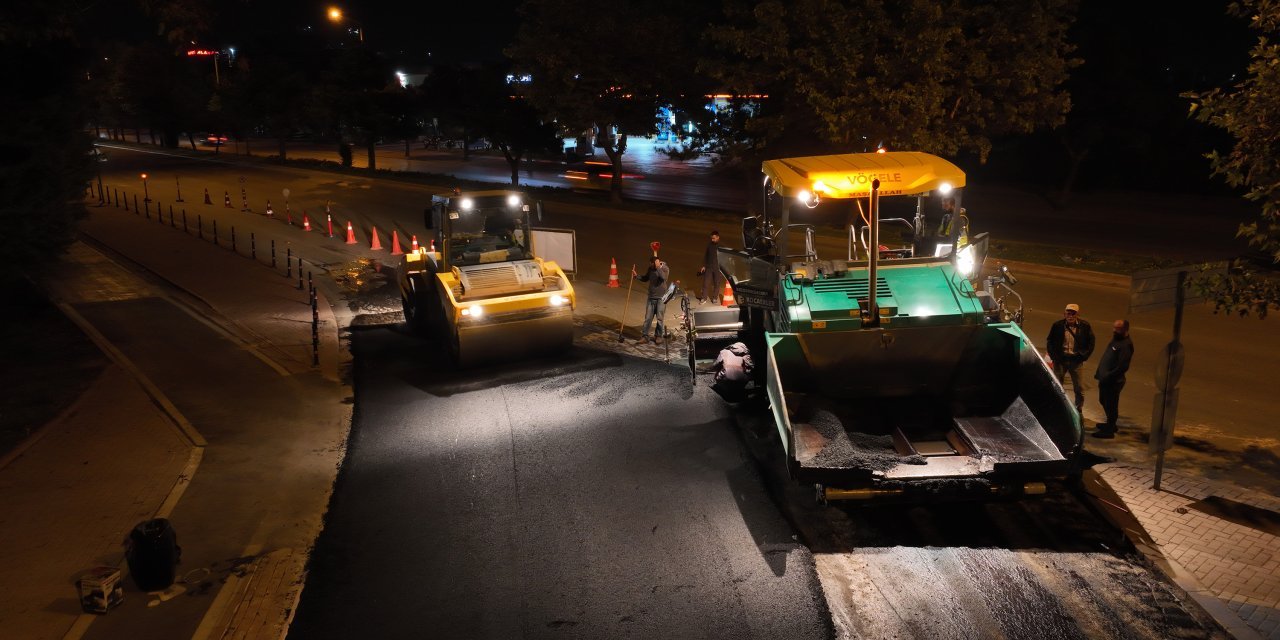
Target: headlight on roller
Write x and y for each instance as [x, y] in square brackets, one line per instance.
[558, 300]
[474, 311]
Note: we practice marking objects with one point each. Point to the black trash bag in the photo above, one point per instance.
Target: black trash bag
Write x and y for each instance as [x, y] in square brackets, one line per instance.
[153, 554]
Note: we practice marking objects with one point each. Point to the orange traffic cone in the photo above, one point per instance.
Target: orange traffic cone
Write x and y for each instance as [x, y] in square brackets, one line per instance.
[306, 222]
[433, 246]
[613, 274]
[270, 213]
[226, 199]
[375, 245]
[206, 196]
[415, 244]
[395, 244]
[351, 233]
[726, 298]
[329, 221]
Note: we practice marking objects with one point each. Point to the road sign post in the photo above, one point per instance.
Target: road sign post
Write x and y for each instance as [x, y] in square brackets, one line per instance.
[1152, 290]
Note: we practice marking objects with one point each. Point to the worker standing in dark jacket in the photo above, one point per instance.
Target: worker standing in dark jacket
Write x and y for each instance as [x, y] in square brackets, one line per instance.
[657, 277]
[710, 271]
[1070, 343]
[1110, 376]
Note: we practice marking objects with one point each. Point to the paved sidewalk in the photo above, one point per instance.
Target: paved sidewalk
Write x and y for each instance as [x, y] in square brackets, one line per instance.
[71, 498]
[123, 453]
[1218, 542]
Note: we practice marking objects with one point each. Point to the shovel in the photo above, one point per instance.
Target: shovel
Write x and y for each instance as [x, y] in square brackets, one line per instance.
[623, 323]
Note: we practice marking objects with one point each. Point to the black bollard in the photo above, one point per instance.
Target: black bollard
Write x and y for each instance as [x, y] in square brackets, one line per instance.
[200, 225]
[147, 203]
[184, 221]
[315, 326]
[299, 273]
[115, 195]
[126, 202]
[135, 204]
[233, 237]
[288, 263]
[171, 223]
[253, 246]
[215, 231]
[273, 253]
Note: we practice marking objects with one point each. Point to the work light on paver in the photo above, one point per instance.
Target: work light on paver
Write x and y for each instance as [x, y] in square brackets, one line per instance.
[513, 201]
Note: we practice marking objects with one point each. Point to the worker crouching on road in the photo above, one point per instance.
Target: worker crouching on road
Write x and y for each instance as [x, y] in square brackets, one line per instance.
[657, 277]
[732, 370]
[1070, 343]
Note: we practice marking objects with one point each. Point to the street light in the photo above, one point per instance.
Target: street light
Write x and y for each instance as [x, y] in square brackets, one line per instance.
[336, 16]
[146, 195]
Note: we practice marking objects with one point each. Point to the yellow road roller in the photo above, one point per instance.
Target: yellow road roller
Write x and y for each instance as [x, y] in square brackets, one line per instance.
[477, 284]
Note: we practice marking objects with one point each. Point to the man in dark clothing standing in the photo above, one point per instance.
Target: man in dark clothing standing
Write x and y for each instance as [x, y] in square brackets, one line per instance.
[657, 277]
[1070, 343]
[1110, 376]
[710, 271]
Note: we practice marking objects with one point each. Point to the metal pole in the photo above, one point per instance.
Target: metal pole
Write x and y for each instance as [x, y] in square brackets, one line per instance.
[215, 231]
[233, 237]
[273, 253]
[171, 222]
[1179, 297]
[253, 246]
[179, 183]
[873, 259]
[184, 221]
[200, 225]
[288, 263]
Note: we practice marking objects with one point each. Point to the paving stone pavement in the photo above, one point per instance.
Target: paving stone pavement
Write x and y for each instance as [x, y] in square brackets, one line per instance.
[1232, 556]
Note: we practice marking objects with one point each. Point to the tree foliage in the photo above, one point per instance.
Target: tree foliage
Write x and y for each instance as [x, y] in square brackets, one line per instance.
[1250, 111]
[943, 77]
[603, 67]
[44, 151]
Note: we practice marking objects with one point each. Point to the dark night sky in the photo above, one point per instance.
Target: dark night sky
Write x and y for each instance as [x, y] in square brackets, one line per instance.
[455, 31]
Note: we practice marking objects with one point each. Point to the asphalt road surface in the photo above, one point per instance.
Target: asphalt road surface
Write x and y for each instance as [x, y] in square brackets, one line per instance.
[598, 497]
[1043, 567]
[1224, 425]
[1192, 227]
[595, 496]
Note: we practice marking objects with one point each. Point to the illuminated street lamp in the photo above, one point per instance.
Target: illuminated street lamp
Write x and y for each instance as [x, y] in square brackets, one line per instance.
[146, 195]
[336, 16]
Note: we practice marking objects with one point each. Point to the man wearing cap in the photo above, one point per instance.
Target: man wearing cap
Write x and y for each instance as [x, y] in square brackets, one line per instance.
[1070, 343]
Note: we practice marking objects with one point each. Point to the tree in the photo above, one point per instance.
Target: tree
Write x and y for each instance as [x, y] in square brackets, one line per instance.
[602, 67]
[481, 102]
[942, 77]
[519, 130]
[1249, 111]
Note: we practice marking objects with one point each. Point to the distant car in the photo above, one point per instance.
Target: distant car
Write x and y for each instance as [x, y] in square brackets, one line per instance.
[212, 139]
[594, 175]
